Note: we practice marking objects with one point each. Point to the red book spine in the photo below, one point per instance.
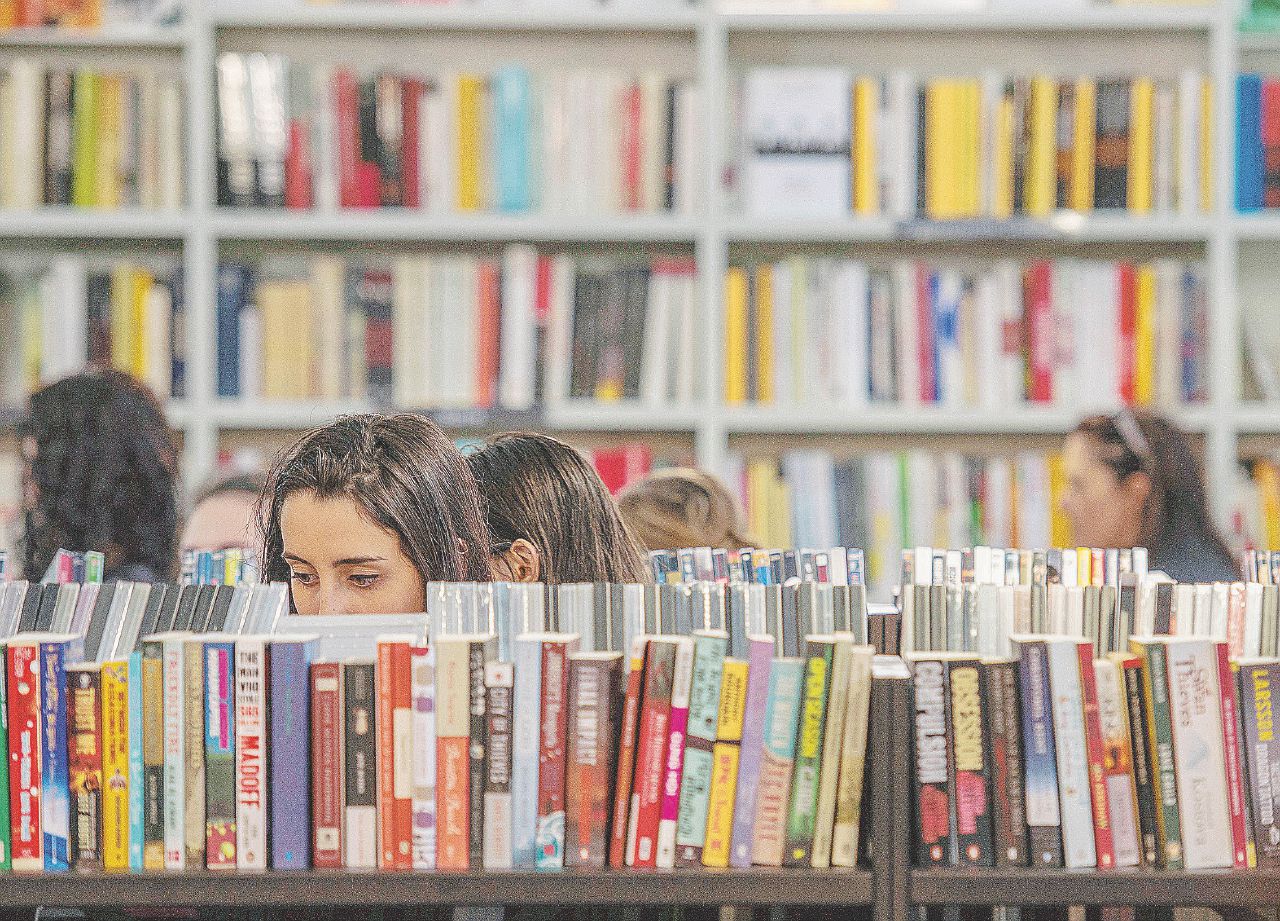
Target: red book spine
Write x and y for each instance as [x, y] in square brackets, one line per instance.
[553, 746]
[297, 166]
[1231, 747]
[346, 95]
[651, 753]
[925, 335]
[542, 291]
[1102, 837]
[627, 755]
[1042, 338]
[410, 102]
[1271, 143]
[26, 840]
[637, 462]
[395, 807]
[327, 778]
[488, 318]
[1128, 331]
[631, 128]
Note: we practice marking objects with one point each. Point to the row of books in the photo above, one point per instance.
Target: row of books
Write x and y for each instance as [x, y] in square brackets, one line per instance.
[90, 137]
[230, 566]
[460, 331]
[826, 142]
[747, 565]
[68, 311]
[886, 502]
[1159, 755]
[1074, 567]
[1064, 332]
[84, 14]
[303, 135]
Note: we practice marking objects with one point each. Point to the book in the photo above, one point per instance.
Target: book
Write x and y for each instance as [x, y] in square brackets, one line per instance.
[220, 754]
[627, 747]
[782, 714]
[853, 756]
[422, 661]
[1256, 679]
[253, 753]
[726, 754]
[328, 777]
[803, 799]
[394, 753]
[360, 803]
[1044, 816]
[653, 737]
[84, 721]
[594, 707]
[760, 669]
[1159, 740]
[289, 731]
[553, 743]
[709, 653]
[1118, 762]
[114, 684]
[672, 780]
[499, 689]
[525, 746]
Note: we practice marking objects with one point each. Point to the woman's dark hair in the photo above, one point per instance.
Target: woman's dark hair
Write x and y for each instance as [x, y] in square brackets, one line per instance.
[542, 490]
[406, 475]
[101, 476]
[1136, 441]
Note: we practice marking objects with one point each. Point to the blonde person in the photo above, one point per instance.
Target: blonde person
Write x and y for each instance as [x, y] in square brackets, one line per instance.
[683, 507]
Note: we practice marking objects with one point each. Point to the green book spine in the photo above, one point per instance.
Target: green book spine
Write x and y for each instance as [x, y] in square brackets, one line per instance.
[803, 815]
[709, 650]
[6, 860]
[84, 135]
[1160, 732]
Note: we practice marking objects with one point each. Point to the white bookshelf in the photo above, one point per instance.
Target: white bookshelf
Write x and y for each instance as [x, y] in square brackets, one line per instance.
[710, 41]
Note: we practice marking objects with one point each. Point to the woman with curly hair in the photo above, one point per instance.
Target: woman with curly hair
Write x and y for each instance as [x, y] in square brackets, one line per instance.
[100, 474]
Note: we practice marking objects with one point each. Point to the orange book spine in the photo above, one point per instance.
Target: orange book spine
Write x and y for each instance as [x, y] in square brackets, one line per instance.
[488, 311]
[395, 808]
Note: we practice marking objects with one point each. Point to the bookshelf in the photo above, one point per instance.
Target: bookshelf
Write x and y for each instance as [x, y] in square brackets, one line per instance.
[708, 41]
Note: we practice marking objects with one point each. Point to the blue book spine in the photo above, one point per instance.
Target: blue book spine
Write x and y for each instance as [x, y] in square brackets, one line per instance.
[525, 748]
[289, 766]
[936, 334]
[1044, 817]
[178, 350]
[233, 289]
[55, 774]
[511, 94]
[1248, 142]
[136, 782]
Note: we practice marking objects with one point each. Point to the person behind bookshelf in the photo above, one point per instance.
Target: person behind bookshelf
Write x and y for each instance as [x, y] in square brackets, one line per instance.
[551, 518]
[359, 515]
[683, 507]
[99, 473]
[1133, 481]
[222, 517]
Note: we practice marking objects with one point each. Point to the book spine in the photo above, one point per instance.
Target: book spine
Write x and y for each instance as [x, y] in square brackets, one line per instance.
[524, 753]
[782, 715]
[252, 763]
[193, 704]
[453, 731]
[696, 777]
[6, 850]
[1044, 817]
[551, 756]
[175, 796]
[289, 730]
[1117, 763]
[395, 805]
[327, 777]
[669, 810]
[220, 755]
[55, 775]
[1008, 809]
[476, 660]
[1262, 755]
[84, 716]
[1078, 845]
[803, 807]
[1231, 751]
[153, 857]
[853, 754]
[137, 764]
[760, 658]
[423, 690]
[626, 754]
[832, 751]
[651, 753]
[115, 765]
[934, 809]
[27, 839]
[1163, 772]
[1103, 834]
[974, 846]
[1143, 784]
[594, 702]
[725, 757]
[499, 682]
[360, 831]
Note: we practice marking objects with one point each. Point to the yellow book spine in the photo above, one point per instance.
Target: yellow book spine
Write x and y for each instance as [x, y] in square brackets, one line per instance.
[8, 14]
[724, 763]
[758, 476]
[735, 335]
[1002, 195]
[122, 316]
[1141, 144]
[953, 150]
[84, 139]
[1084, 560]
[32, 313]
[106, 185]
[89, 14]
[1206, 146]
[780, 508]
[975, 149]
[469, 130]
[1038, 194]
[115, 765]
[1144, 335]
[1268, 480]
[1059, 524]
[865, 143]
[764, 334]
[142, 282]
[1082, 145]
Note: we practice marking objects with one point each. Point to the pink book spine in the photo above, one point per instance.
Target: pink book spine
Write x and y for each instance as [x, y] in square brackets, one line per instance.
[680, 688]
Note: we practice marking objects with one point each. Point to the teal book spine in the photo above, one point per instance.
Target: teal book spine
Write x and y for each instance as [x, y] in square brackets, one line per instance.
[709, 650]
[786, 695]
[512, 95]
[136, 785]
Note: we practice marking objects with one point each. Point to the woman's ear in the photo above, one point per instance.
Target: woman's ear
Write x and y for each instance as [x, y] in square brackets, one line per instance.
[522, 561]
[1137, 489]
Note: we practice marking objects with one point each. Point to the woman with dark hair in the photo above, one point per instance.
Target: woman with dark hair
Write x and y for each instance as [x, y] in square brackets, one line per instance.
[361, 514]
[550, 516]
[100, 475]
[1132, 481]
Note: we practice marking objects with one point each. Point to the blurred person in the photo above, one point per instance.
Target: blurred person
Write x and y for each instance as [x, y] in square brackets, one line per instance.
[683, 507]
[223, 516]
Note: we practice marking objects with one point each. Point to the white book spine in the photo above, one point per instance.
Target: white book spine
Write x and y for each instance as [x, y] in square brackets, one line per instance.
[64, 295]
[251, 754]
[1199, 765]
[904, 297]
[175, 797]
[658, 345]
[361, 837]
[1188, 141]
[519, 345]
[525, 748]
[423, 690]
[26, 78]
[170, 161]
[900, 132]
[1073, 763]
[681, 685]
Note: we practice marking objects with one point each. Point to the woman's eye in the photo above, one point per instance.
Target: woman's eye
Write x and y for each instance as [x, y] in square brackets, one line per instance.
[303, 578]
[364, 580]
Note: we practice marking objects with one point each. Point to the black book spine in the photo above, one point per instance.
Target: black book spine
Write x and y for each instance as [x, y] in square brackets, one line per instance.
[1136, 703]
[965, 705]
[1008, 807]
[934, 827]
[476, 659]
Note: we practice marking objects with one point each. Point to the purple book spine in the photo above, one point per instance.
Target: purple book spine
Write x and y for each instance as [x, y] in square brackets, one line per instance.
[290, 739]
[760, 661]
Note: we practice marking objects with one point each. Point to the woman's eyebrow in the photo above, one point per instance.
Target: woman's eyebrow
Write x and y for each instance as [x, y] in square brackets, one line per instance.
[357, 560]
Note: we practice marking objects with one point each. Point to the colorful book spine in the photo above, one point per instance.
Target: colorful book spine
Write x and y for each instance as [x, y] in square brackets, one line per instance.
[802, 810]
[175, 762]
[1078, 846]
[1103, 832]
[1257, 684]
[725, 758]
[6, 829]
[669, 810]
[84, 687]
[626, 752]
[453, 738]
[289, 727]
[760, 657]
[499, 681]
[1131, 673]
[524, 754]
[782, 715]
[1044, 817]
[853, 753]
[709, 651]
[252, 761]
[1231, 752]
[153, 753]
[1113, 725]
[478, 656]
[193, 705]
[220, 755]
[422, 663]
[935, 814]
[595, 701]
[974, 845]
[651, 752]
[395, 754]
[551, 754]
[832, 749]
[328, 780]
[55, 775]
[137, 764]
[1155, 690]
[115, 765]
[360, 832]
[27, 839]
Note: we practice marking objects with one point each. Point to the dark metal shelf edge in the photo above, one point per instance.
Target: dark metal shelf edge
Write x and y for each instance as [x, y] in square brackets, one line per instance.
[1026, 886]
